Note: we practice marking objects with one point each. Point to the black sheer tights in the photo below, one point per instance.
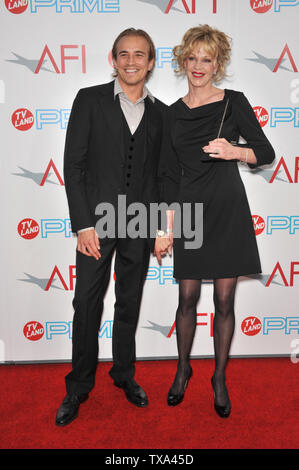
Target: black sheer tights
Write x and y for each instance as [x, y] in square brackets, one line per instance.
[223, 329]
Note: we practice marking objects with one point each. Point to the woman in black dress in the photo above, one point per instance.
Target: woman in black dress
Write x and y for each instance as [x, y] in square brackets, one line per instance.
[201, 166]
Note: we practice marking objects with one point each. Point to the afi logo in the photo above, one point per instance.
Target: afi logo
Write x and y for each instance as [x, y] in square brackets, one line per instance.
[46, 174]
[81, 57]
[282, 166]
[209, 322]
[285, 51]
[279, 271]
[59, 65]
[274, 64]
[189, 6]
[67, 284]
[40, 178]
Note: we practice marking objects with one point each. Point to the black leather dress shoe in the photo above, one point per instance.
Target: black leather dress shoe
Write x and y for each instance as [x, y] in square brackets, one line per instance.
[134, 393]
[68, 410]
[174, 399]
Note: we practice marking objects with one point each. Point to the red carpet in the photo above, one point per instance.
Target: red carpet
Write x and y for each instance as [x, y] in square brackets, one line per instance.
[264, 395]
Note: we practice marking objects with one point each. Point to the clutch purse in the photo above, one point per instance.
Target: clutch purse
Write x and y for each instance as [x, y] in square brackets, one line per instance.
[204, 156]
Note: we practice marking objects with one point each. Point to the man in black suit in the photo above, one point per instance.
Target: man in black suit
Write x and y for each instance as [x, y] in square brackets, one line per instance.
[112, 148]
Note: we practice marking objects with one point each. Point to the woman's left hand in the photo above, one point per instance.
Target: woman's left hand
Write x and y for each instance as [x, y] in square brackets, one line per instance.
[221, 148]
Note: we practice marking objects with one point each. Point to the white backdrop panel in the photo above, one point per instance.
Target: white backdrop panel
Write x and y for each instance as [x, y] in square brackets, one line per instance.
[49, 50]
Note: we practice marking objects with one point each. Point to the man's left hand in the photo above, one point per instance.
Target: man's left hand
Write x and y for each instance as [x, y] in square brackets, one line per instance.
[162, 246]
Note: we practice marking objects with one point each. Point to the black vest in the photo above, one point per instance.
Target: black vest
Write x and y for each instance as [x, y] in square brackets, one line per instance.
[134, 150]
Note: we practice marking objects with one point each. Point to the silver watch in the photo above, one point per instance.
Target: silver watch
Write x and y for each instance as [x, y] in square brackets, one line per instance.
[160, 233]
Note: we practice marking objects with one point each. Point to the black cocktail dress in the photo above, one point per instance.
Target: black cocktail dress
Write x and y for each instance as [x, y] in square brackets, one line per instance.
[229, 247]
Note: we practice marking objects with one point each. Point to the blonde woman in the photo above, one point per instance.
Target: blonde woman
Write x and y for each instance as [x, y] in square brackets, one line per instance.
[202, 166]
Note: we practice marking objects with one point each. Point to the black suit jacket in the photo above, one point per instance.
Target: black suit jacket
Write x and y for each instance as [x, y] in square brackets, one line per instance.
[94, 153]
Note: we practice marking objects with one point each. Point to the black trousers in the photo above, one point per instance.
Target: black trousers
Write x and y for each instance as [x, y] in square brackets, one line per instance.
[92, 278]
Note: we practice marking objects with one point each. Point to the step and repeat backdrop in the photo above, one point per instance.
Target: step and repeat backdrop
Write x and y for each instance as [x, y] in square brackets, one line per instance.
[52, 48]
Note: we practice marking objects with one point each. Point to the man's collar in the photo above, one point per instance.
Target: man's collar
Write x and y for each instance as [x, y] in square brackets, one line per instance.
[118, 89]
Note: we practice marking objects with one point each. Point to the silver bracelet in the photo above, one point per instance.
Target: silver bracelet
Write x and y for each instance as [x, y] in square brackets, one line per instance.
[246, 158]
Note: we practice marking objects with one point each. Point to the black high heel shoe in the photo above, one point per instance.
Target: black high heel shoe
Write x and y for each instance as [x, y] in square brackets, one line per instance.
[222, 411]
[174, 399]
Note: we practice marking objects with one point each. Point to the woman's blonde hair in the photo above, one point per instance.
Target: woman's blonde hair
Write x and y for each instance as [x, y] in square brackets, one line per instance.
[215, 43]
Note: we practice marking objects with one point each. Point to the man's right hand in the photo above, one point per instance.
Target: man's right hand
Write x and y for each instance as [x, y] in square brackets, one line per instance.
[88, 243]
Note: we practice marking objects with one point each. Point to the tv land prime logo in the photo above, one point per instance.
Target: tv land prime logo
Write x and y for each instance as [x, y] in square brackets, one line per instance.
[278, 116]
[276, 222]
[102, 6]
[73, 6]
[34, 330]
[252, 325]
[23, 119]
[262, 115]
[28, 228]
[113, 6]
[263, 6]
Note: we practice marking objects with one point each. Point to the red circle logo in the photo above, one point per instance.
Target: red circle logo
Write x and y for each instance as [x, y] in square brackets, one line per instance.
[251, 326]
[262, 115]
[16, 6]
[258, 224]
[33, 330]
[261, 6]
[28, 229]
[22, 119]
